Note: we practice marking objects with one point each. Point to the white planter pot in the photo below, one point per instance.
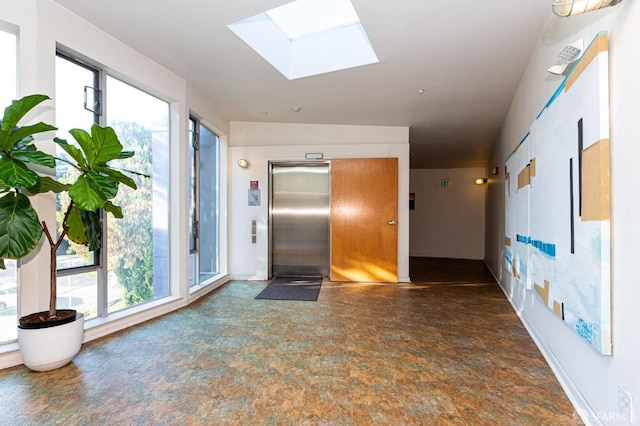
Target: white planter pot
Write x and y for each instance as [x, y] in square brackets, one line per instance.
[49, 348]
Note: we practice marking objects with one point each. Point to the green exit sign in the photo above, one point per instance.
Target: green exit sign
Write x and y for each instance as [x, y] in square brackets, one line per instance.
[444, 183]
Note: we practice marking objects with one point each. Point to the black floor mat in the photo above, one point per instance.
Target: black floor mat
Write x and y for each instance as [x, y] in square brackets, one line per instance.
[284, 288]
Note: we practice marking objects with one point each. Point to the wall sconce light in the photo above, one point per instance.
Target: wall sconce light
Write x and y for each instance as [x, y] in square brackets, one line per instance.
[480, 181]
[566, 58]
[243, 163]
[565, 8]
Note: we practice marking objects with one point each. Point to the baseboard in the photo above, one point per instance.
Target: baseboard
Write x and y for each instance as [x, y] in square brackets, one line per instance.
[10, 357]
[200, 291]
[582, 408]
[236, 277]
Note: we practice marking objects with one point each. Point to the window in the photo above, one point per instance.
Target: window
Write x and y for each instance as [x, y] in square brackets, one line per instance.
[132, 265]
[138, 245]
[9, 69]
[203, 178]
[77, 268]
[8, 280]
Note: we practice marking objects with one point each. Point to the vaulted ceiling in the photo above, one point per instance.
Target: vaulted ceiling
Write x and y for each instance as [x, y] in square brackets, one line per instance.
[467, 55]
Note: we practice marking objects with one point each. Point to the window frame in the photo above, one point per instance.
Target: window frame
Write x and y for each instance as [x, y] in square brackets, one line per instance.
[100, 265]
[195, 274]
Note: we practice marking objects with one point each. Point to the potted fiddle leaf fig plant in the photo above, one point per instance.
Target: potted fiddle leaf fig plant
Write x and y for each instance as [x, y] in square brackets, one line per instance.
[57, 332]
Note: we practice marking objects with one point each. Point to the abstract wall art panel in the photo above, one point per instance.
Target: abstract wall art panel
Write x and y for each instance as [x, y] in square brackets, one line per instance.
[517, 184]
[568, 231]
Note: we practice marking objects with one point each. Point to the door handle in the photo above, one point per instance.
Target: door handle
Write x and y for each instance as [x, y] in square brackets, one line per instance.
[393, 222]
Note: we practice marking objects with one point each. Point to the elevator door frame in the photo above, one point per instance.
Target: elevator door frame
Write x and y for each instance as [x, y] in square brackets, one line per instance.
[273, 164]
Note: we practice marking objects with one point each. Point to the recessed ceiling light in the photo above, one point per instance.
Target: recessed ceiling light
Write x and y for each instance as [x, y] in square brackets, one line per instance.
[420, 91]
[308, 37]
[264, 113]
[296, 109]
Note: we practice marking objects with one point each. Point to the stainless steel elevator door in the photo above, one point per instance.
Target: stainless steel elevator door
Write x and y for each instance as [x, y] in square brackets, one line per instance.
[300, 213]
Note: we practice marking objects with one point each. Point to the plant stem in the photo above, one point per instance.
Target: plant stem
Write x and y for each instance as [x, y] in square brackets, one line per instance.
[53, 260]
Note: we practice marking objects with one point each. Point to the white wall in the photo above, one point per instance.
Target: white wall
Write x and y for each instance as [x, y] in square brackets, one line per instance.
[260, 143]
[590, 379]
[447, 222]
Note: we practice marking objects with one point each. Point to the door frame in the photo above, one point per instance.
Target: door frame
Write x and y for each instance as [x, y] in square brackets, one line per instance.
[292, 163]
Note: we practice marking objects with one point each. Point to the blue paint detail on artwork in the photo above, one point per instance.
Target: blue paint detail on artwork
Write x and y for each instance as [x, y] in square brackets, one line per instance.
[555, 95]
[508, 262]
[587, 331]
[546, 248]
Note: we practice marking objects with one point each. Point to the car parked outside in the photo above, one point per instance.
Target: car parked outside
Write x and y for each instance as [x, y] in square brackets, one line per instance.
[8, 297]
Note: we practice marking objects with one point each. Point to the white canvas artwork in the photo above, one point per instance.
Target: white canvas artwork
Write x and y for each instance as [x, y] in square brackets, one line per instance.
[517, 256]
[567, 234]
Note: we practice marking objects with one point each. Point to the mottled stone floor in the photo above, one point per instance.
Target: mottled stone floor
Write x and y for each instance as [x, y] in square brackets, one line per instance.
[363, 354]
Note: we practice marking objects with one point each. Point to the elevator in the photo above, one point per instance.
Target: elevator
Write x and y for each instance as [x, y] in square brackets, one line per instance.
[299, 215]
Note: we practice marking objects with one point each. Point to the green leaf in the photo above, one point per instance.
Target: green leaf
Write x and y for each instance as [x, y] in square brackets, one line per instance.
[22, 145]
[5, 144]
[76, 231]
[12, 115]
[93, 227]
[35, 157]
[107, 145]
[117, 176]
[84, 227]
[126, 154]
[46, 184]
[26, 131]
[74, 152]
[20, 228]
[19, 108]
[87, 145]
[15, 174]
[116, 211]
[107, 185]
[86, 194]
[99, 147]
[131, 172]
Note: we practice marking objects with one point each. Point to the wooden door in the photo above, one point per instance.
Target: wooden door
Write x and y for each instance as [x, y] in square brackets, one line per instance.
[364, 213]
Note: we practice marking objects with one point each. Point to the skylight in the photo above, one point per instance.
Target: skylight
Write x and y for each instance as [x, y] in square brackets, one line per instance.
[306, 17]
[308, 37]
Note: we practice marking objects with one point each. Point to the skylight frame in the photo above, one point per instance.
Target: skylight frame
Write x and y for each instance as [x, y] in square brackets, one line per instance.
[304, 18]
[344, 44]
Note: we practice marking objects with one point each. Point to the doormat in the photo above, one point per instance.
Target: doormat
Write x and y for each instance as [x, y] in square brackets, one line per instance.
[284, 288]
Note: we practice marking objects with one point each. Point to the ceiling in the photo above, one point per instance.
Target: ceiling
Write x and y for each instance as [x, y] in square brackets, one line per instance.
[467, 55]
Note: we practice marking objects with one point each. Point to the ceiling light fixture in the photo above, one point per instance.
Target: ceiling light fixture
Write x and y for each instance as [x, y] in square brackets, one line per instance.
[566, 8]
[296, 109]
[480, 181]
[420, 91]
